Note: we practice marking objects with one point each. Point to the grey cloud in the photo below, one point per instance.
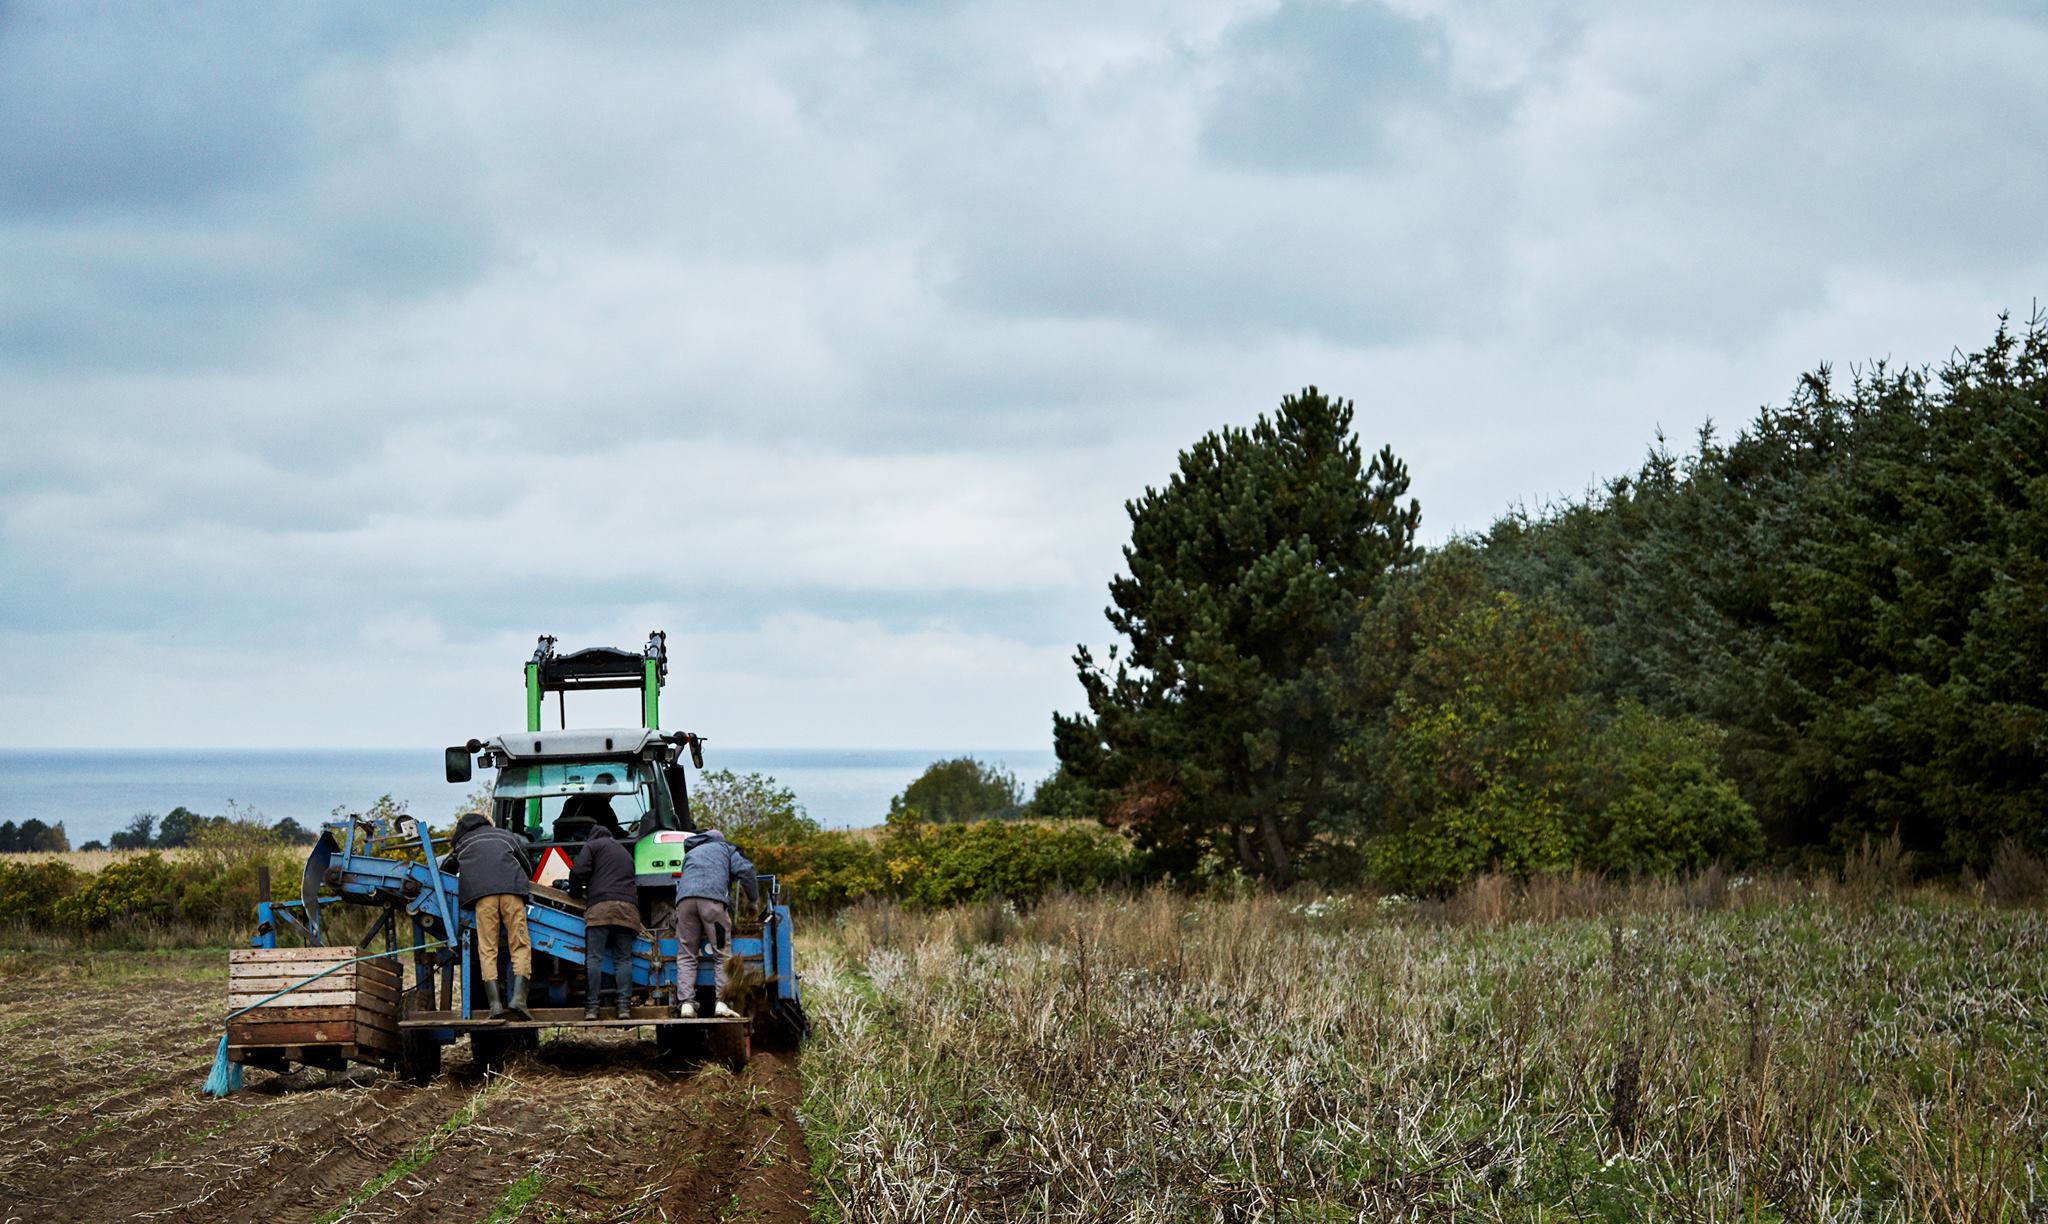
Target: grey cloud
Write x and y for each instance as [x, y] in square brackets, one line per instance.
[1315, 86]
[107, 109]
[181, 183]
[1698, 176]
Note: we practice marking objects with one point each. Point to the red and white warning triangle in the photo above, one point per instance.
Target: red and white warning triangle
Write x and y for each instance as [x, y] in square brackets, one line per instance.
[554, 868]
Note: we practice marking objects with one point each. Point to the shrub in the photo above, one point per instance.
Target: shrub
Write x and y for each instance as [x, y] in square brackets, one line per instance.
[144, 887]
[1472, 767]
[30, 892]
[827, 870]
[2017, 876]
[217, 881]
[1663, 805]
[939, 865]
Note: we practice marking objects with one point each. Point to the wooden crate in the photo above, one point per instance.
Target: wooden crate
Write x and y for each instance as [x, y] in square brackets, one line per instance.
[352, 1013]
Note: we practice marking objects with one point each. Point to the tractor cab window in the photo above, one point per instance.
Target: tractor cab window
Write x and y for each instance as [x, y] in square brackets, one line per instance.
[554, 779]
[573, 796]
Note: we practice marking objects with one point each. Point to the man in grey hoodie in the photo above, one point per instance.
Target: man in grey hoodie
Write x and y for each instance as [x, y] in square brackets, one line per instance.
[710, 866]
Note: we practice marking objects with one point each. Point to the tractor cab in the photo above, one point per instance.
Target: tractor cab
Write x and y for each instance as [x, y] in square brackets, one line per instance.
[554, 786]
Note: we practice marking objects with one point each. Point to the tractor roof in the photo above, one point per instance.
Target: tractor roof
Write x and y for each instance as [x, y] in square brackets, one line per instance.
[581, 743]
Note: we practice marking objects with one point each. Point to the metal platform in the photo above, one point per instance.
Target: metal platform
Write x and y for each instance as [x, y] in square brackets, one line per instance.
[567, 1017]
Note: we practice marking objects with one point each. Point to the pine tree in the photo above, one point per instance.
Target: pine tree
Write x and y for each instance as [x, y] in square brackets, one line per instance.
[1219, 729]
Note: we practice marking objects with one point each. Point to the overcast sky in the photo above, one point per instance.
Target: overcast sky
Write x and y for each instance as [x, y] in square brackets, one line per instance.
[345, 348]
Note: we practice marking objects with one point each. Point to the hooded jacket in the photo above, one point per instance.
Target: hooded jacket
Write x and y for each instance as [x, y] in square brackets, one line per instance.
[710, 865]
[603, 870]
[490, 861]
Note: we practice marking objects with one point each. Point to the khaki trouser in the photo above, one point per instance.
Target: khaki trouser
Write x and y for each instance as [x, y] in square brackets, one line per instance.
[700, 920]
[511, 910]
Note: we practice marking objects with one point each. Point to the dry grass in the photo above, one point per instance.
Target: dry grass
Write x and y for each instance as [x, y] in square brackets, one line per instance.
[1705, 1049]
[93, 860]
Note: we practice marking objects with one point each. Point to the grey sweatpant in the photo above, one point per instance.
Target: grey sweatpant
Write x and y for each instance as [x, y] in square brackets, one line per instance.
[700, 920]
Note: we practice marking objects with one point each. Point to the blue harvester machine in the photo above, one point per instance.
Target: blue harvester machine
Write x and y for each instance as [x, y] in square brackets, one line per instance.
[398, 1005]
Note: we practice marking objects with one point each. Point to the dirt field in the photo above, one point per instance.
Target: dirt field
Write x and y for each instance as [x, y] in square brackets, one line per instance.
[101, 1119]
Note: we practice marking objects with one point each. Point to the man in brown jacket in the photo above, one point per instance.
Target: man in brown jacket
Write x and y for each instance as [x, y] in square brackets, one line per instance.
[603, 875]
[496, 873]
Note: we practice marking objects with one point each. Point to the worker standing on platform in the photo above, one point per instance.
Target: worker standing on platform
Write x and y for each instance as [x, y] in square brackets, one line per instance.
[603, 876]
[496, 874]
[711, 864]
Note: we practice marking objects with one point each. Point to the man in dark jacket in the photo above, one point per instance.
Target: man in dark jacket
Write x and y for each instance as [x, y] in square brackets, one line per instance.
[710, 865]
[496, 871]
[603, 875]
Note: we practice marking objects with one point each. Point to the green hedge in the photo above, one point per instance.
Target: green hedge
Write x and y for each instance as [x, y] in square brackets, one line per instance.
[937, 865]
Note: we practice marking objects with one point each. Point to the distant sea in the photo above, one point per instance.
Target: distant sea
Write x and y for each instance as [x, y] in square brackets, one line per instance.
[95, 792]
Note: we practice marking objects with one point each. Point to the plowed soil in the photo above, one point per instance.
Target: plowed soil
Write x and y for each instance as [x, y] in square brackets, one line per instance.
[101, 1118]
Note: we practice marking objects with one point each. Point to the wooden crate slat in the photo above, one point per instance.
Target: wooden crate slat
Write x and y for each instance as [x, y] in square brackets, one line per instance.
[337, 1032]
[330, 1032]
[273, 965]
[311, 996]
[300, 998]
[239, 966]
[299, 973]
[373, 988]
[279, 1013]
[344, 980]
[377, 1018]
[326, 955]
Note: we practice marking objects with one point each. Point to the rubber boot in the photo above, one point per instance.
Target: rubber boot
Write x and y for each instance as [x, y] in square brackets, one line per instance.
[491, 997]
[590, 1006]
[516, 1008]
[625, 1011]
[687, 1009]
[720, 1009]
[592, 982]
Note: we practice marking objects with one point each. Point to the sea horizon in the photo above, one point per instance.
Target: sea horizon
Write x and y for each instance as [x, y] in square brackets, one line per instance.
[95, 792]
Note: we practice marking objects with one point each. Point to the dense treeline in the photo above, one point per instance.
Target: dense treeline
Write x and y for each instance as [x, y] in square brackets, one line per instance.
[181, 827]
[1829, 628]
[33, 835]
[1855, 588]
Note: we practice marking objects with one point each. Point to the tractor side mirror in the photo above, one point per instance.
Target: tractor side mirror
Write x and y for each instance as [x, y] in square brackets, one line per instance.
[696, 752]
[457, 763]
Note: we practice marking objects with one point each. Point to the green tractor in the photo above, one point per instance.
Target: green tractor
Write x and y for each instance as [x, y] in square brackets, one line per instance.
[327, 1005]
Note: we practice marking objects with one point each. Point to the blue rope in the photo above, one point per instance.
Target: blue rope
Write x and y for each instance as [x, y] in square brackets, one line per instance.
[227, 1076]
